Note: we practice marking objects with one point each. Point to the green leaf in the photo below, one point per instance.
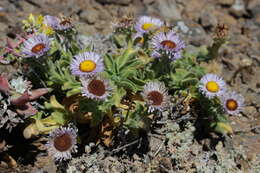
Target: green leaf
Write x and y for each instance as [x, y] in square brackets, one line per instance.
[127, 56]
[222, 128]
[137, 119]
[58, 117]
[73, 92]
[109, 62]
[87, 105]
[54, 104]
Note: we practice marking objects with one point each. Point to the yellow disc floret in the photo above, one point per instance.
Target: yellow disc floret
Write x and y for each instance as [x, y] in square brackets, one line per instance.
[212, 86]
[147, 26]
[87, 66]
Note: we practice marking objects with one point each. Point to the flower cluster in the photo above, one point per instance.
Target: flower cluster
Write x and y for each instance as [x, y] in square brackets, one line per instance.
[144, 74]
[164, 42]
[212, 85]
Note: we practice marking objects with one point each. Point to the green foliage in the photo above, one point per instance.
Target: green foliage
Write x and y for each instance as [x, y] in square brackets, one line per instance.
[88, 105]
[59, 115]
[127, 68]
[121, 69]
[185, 73]
[137, 118]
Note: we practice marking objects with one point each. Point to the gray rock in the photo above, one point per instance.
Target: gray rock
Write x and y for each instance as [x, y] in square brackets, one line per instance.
[192, 32]
[252, 4]
[90, 16]
[238, 8]
[254, 7]
[120, 2]
[182, 27]
[147, 2]
[168, 9]
[226, 2]
[207, 19]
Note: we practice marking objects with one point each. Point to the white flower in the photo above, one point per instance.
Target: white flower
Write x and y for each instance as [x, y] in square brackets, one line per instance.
[146, 24]
[62, 142]
[232, 102]
[36, 46]
[156, 96]
[96, 88]
[87, 64]
[212, 85]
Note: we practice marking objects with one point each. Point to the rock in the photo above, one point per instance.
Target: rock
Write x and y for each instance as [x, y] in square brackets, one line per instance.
[207, 19]
[147, 2]
[197, 36]
[3, 27]
[120, 2]
[257, 18]
[252, 4]
[238, 8]
[250, 111]
[254, 7]
[226, 2]
[193, 8]
[168, 9]
[90, 16]
[192, 32]
[182, 27]
[225, 18]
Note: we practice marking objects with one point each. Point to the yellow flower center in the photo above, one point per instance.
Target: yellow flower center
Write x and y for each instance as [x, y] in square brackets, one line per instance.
[87, 66]
[231, 104]
[147, 26]
[212, 86]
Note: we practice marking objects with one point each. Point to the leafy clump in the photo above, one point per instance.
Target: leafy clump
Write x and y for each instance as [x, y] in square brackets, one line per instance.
[141, 73]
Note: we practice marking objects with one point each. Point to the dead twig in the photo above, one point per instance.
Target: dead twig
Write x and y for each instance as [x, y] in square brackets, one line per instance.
[160, 147]
[125, 146]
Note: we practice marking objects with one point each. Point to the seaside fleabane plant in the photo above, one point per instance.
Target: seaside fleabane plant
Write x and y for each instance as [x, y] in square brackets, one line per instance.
[167, 44]
[96, 88]
[145, 24]
[62, 142]
[232, 102]
[87, 64]
[156, 96]
[145, 51]
[36, 46]
[212, 85]
[60, 24]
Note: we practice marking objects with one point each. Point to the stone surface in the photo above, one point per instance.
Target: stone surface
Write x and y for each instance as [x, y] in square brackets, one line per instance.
[121, 2]
[168, 9]
[238, 8]
[226, 2]
[207, 19]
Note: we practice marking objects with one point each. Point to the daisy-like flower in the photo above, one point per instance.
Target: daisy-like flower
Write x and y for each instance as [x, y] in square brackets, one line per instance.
[232, 102]
[212, 85]
[62, 142]
[56, 23]
[167, 44]
[87, 64]
[36, 45]
[146, 24]
[156, 96]
[96, 88]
